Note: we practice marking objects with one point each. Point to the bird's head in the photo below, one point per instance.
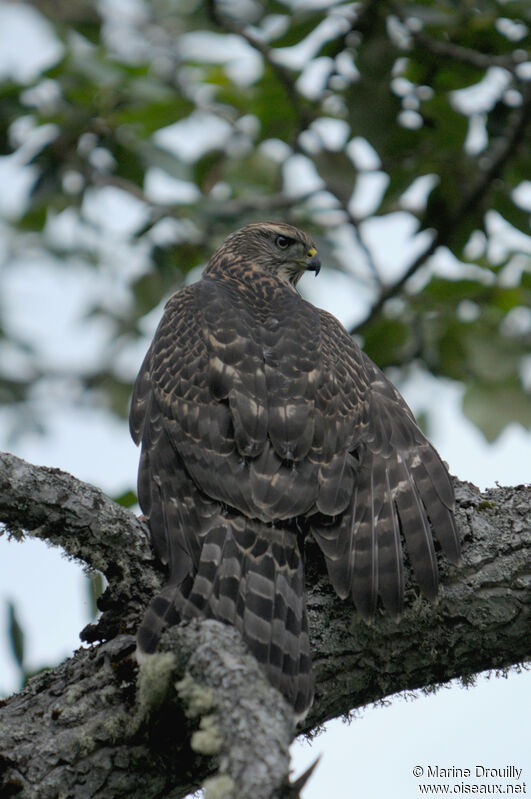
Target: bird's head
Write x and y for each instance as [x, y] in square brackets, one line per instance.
[281, 249]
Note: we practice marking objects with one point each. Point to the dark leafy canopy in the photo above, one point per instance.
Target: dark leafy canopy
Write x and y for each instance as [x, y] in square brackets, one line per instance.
[268, 81]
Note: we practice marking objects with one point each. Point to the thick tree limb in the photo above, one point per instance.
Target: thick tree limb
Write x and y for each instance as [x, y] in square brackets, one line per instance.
[78, 731]
[96, 726]
[52, 505]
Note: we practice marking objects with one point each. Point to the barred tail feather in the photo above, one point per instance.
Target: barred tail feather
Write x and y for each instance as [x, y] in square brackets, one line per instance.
[164, 610]
[416, 529]
[391, 577]
[249, 575]
[403, 494]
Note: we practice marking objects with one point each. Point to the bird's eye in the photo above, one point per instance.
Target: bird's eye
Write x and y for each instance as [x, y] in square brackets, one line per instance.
[283, 242]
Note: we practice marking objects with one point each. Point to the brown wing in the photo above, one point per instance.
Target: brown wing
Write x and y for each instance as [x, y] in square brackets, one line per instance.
[260, 371]
[169, 382]
[199, 408]
[401, 487]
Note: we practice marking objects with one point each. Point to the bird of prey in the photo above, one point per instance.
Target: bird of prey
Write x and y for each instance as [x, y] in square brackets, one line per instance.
[262, 422]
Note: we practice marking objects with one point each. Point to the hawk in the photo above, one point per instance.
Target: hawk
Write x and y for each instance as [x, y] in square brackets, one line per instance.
[262, 422]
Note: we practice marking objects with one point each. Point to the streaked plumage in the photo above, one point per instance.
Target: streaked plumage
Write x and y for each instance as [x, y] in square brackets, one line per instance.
[261, 421]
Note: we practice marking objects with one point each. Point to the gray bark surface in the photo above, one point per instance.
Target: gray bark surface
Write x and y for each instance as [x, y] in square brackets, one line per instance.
[97, 725]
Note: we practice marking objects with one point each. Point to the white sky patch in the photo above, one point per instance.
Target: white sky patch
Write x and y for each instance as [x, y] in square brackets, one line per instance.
[89, 442]
[482, 96]
[523, 70]
[45, 95]
[271, 26]
[363, 154]
[324, 209]
[242, 63]
[96, 447]
[114, 210]
[503, 238]
[514, 30]
[394, 242]
[460, 442]
[17, 363]
[349, 766]
[476, 138]
[28, 44]
[40, 569]
[511, 272]
[410, 119]
[324, 291]
[299, 54]
[446, 265]
[353, 258]
[132, 12]
[332, 133]
[275, 149]
[66, 230]
[56, 298]
[517, 322]
[20, 178]
[415, 197]
[127, 360]
[190, 138]
[368, 191]
[522, 195]
[15, 170]
[300, 176]
[314, 76]
[122, 260]
[306, 5]
[163, 188]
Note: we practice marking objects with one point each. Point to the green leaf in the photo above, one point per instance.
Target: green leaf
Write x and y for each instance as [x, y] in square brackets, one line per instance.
[264, 100]
[34, 218]
[517, 217]
[386, 341]
[16, 636]
[127, 499]
[302, 25]
[492, 408]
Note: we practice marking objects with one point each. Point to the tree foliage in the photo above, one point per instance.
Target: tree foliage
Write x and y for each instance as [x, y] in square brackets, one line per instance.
[189, 119]
[153, 129]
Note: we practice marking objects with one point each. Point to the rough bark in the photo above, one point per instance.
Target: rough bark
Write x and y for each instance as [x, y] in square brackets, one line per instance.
[201, 710]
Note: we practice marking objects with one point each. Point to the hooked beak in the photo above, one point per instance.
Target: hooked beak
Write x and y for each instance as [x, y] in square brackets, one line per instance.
[314, 262]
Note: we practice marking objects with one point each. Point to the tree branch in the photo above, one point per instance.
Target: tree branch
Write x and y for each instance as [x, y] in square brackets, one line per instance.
[201, 709]
[455, 52]
[305, 114]
[494, 163]
[52, 505]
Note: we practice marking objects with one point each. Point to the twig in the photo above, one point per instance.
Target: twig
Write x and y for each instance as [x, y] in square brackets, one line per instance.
[302, 109]
[259, 203]
[456, 52]
[465, 55]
